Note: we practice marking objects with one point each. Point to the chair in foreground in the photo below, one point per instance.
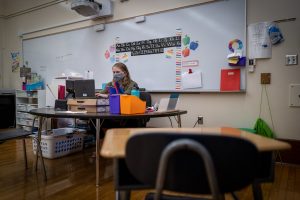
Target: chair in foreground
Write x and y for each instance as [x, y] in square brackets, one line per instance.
[191, 163]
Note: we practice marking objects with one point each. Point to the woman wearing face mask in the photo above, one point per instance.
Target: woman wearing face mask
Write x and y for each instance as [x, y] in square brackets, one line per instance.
[121, 82]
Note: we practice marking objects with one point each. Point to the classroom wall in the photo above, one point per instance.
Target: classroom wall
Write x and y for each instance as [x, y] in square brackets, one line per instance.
[1, 41]
[218, 109]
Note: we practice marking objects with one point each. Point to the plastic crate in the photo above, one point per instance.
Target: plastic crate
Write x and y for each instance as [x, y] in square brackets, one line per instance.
[58, 145]
[35, 86]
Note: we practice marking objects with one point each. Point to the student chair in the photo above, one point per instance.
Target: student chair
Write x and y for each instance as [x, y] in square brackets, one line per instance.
[191, 163]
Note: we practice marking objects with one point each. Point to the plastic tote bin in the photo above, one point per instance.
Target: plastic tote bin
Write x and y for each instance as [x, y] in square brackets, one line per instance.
[35, 86]
[132, 105]
[60, 143]
[114, 104]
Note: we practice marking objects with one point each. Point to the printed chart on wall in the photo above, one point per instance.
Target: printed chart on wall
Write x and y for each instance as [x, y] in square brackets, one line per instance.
[194, 49]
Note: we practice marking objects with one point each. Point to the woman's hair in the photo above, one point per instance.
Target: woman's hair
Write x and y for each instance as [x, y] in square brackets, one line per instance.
[126, 80]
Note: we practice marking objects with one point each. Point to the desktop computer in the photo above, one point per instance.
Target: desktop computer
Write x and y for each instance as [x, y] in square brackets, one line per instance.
[80, 88]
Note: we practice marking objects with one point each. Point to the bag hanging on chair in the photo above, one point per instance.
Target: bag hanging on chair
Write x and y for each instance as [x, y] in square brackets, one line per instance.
[262, 128]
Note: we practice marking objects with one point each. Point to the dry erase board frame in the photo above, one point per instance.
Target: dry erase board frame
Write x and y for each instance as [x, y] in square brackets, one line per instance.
[155, 63]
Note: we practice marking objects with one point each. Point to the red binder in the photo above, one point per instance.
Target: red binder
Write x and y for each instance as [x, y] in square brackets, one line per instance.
[230, 79]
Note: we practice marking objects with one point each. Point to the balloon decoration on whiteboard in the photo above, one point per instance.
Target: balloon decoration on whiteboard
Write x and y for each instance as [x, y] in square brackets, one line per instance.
[107, 54]
[110, 54]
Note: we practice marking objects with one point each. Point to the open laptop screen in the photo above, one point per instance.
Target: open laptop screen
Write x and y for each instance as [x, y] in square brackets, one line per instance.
[168, 103]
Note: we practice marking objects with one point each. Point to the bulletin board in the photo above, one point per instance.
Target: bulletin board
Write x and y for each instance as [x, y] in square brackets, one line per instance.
[181, 50]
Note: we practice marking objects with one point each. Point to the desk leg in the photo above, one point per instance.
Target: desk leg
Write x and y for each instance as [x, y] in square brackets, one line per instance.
[122, 195]
[39, 149]
[179, 121]
[256, 190]
[120, 168]
[98, 127]
[25, 154]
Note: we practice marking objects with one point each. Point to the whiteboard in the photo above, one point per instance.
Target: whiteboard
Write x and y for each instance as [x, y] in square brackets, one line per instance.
[152, 50]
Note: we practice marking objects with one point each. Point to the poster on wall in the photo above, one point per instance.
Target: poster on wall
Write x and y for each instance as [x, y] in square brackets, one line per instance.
[259, 40]
[15, 60]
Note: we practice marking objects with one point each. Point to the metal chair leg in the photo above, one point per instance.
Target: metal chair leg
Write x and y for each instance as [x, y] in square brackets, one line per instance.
[39, 149]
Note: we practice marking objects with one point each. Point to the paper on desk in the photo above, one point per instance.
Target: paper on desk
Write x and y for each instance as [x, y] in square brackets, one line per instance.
[72, 112]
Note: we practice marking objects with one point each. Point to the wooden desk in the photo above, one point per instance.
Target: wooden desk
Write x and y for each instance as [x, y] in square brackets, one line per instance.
[115, 142]
[115, 139]
[44, 113]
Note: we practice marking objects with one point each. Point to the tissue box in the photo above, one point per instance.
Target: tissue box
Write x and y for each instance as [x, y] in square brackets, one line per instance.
[35, 86]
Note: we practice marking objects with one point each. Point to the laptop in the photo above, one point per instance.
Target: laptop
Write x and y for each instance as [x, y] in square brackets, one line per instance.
[170, 103]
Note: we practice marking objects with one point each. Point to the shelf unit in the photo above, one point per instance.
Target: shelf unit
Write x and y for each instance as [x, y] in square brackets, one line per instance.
[25, 101]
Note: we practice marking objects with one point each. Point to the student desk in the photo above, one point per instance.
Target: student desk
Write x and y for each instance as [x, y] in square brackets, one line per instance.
[44, 113]
[115, 143]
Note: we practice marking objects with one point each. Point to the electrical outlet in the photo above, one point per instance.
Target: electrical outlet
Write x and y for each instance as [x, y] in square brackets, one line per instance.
[200, 120]
[291, 59]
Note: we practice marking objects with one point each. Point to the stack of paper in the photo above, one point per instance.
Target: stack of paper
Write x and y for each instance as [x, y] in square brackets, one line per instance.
[234, 58]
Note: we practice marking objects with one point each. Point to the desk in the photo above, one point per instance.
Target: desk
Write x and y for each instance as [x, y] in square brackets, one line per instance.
[115, 142]
[51, 113]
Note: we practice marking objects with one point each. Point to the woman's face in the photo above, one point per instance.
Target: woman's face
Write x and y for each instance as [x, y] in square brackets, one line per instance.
[117, 70]
[118, 74]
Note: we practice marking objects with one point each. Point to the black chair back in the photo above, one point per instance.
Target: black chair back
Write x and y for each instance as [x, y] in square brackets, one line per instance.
[146, 96]
[234, 160]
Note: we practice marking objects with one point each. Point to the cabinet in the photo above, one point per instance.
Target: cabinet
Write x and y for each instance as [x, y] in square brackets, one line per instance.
[25, 101]
[7, 108]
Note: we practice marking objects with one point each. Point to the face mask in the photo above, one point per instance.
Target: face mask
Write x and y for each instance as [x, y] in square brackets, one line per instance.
[118, 76]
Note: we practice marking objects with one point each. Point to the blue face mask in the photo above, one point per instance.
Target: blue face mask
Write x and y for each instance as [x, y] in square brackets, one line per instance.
[118, 76]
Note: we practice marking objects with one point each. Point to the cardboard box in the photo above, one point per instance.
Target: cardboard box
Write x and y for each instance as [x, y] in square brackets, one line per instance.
[89, 105]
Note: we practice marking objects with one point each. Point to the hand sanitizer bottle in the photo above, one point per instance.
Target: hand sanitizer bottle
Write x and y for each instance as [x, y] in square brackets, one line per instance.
[135, 92]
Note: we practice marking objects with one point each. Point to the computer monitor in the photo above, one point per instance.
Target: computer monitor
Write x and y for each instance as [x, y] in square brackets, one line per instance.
[81, 88]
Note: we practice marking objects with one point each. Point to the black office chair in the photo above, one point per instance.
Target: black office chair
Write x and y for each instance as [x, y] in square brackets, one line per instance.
[146, 96]
[232, 167]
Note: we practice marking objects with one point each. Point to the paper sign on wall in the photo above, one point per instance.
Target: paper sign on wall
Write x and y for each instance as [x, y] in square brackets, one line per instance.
[191, 79]
[259, 41]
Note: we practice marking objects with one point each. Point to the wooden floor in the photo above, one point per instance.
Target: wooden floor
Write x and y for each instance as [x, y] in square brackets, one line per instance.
[73, 177]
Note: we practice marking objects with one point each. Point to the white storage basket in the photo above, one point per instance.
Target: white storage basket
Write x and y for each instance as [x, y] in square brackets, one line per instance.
[57, 145]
